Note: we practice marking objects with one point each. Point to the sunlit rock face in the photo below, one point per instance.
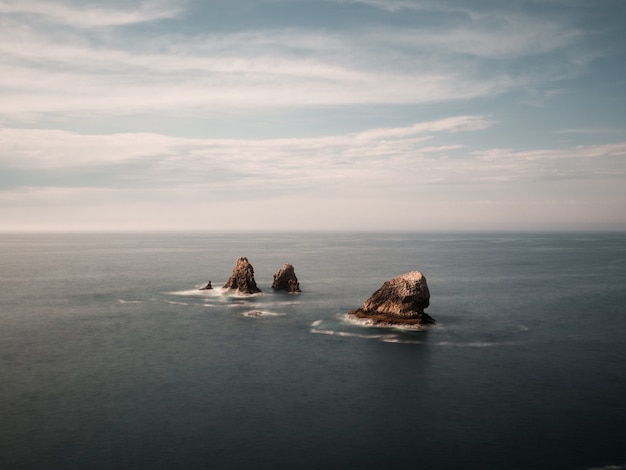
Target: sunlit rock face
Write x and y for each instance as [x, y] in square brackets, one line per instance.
[242, 278]
[285, 279]
[399, 301]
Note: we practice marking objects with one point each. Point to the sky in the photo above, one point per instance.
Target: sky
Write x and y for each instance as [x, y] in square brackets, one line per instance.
[312, 115]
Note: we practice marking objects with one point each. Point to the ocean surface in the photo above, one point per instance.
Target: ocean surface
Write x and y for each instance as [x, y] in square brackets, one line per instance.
[111, 358]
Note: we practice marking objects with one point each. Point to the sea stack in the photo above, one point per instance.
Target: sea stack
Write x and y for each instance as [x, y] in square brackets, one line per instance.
[285, 279]
[242, 278]
[399, 302]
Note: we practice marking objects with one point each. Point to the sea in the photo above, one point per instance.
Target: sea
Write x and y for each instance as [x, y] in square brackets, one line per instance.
[112, 358]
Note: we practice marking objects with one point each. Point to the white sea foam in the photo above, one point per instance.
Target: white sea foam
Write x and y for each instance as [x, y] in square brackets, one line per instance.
[286, 303]
[400, 338]
[395, 339]
[196, 293]
[471, 344]
[237, 304]
[122, 301]
[367, 323]
[315, 328]
[261, 313]
[239, 294]
[215, 292]
[345, 334]
[392, 338]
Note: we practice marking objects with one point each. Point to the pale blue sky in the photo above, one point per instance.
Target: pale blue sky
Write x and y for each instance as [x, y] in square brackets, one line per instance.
[323, 115]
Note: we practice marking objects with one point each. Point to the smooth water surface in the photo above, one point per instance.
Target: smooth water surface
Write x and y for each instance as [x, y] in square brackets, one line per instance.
[110, 358]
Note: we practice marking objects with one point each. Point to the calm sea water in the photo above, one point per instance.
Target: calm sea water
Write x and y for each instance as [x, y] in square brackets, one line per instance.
[111, 359]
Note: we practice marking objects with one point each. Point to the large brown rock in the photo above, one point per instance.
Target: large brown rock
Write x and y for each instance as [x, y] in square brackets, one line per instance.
[242, 278]
[399, 301]
[285, 279]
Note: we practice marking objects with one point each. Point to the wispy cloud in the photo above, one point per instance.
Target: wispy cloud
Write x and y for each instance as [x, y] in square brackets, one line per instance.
[89, 16]
[226, 168]
[69, 78]
[52, 70]
[592, 131]
[387, 159]
[399, 5]
[617, 149]
[66, 180]
[47, 149]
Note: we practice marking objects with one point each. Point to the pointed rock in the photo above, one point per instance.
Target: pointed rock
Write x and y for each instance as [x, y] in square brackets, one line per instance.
[399, 302]
[285, 279]
[242, 278]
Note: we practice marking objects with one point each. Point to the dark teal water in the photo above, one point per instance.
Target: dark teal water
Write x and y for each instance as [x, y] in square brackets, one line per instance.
[110, 359]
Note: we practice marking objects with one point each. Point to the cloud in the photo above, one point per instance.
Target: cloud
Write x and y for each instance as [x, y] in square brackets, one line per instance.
[64, 62]
[617, 149]
[90, 16]
[50, 69]
[63, 180]
[229, 169]
[400, 5]
[511, 37]
[498, 32]
[380, 161]
[76, 79]
[591, 131]
[452, 124]
[44, 148]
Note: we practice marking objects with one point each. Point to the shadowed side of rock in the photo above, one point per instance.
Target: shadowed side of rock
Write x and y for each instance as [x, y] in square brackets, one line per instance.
[285, 279]
[242, 278]
[399, 301]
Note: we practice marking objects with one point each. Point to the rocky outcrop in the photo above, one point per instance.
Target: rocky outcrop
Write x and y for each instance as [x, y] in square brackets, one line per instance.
[207, 286]
[399, 302]
[242, 278]
[285, 279]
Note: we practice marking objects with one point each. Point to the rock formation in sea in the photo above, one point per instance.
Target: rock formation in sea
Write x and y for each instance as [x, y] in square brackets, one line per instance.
[398, 302]
[242, 278]
[207, 286]
[285, 279]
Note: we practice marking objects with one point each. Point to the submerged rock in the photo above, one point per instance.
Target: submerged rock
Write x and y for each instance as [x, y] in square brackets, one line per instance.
[399, 302]
[285, 279]
[242, 278]
[208, 286]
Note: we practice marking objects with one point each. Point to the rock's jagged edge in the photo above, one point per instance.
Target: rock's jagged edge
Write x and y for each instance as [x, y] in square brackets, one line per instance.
[399, 302]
